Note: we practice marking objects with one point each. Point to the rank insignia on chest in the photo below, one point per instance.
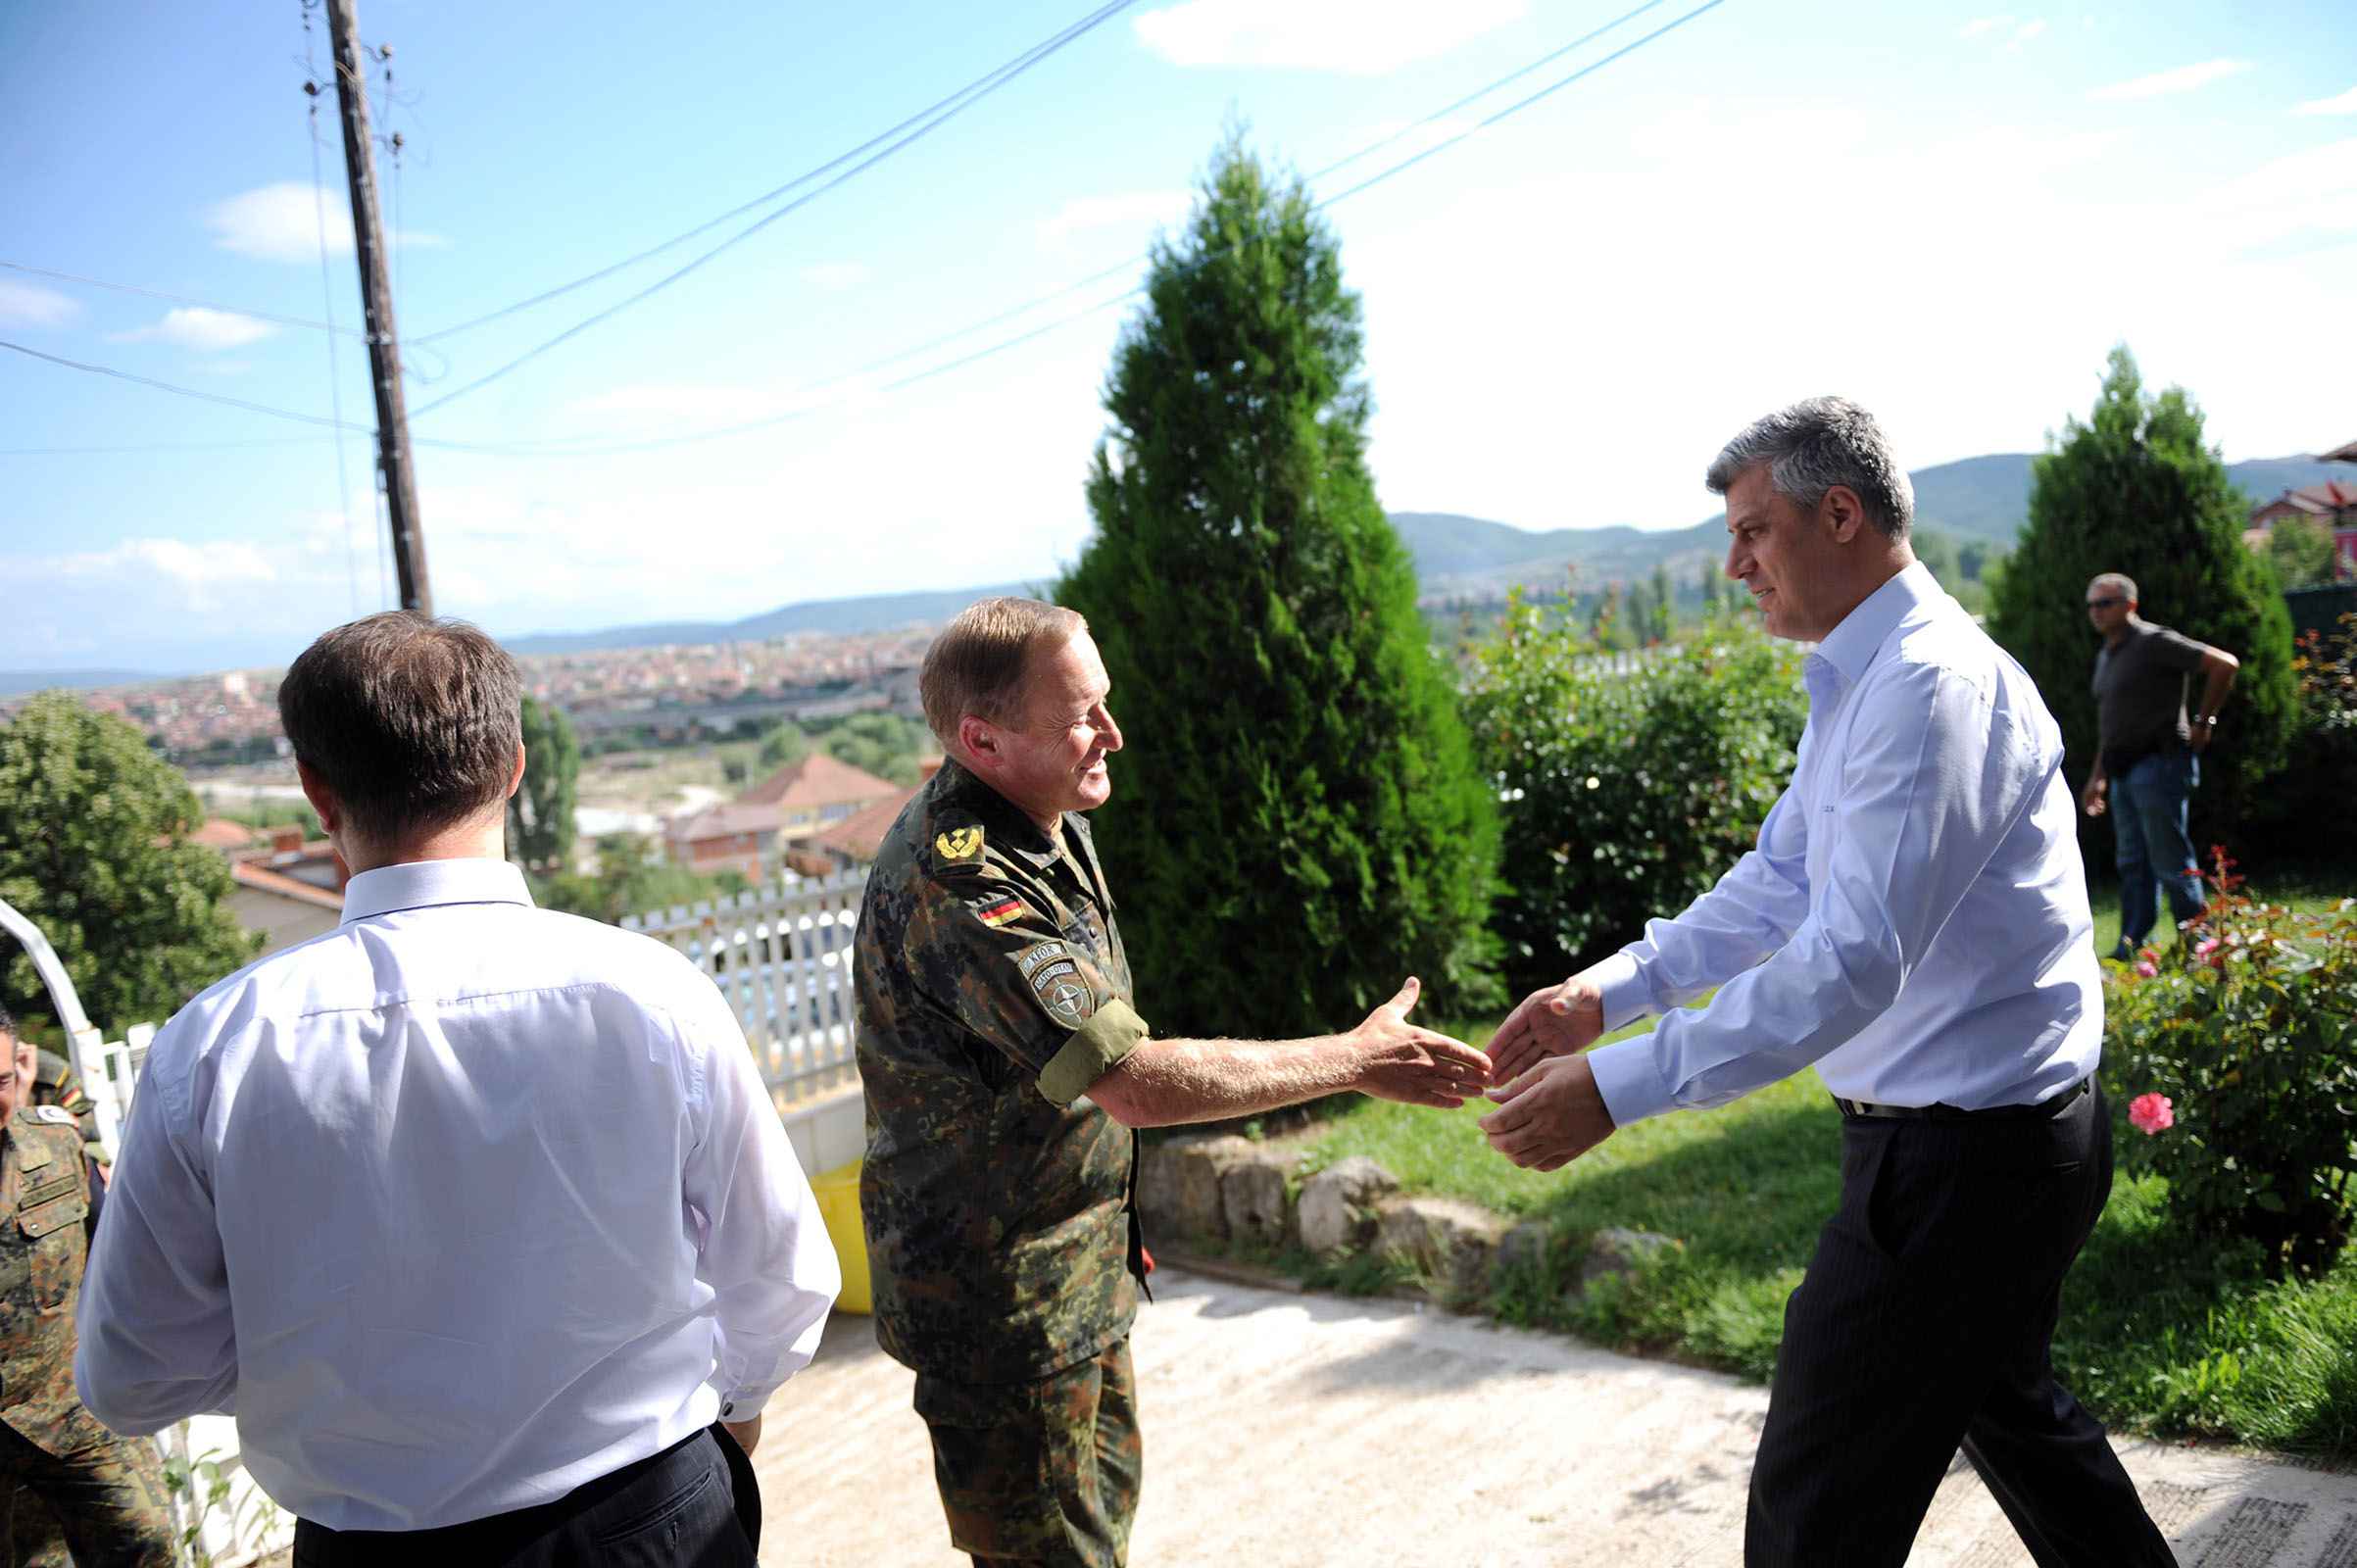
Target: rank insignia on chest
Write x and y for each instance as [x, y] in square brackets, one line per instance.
[960, 844]
[999, 912]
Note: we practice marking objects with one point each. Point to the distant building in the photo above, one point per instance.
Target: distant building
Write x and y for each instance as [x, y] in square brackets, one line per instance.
[855, 840]
[777, 823]
[286, 887]
[2331, 506]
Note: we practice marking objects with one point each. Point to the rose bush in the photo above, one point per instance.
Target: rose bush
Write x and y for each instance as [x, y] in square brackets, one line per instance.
[2240, 1048]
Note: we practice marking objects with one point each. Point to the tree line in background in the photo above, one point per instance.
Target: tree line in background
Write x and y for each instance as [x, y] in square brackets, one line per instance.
[1320, 796]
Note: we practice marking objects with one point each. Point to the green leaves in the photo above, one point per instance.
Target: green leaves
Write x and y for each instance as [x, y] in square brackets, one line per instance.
[2133, 490]
[1298, 820]
[93, 850]
[1626, 792]
[2247, 1030]
[540, 813]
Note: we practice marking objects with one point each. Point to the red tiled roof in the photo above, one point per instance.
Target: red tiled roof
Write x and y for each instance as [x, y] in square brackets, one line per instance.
[2347, 453]
[862, 835]
[220, 833]
[817, 781]
[727, 821]
[264, 880]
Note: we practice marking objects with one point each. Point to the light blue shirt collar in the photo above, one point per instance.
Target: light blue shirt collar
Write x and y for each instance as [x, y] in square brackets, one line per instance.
[1851, 646]
[416, 884]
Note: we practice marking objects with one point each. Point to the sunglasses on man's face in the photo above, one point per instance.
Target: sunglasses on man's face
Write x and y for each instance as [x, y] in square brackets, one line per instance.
[2104, 604]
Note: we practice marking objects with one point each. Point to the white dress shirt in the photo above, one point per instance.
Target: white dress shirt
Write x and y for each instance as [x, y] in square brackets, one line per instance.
[455, 1207]
[1914, 919]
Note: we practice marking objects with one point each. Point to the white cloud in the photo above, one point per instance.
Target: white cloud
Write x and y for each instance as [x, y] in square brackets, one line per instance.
[281, 223]
[194, 326]
[1981, 24]
[2027, 31]
[836, 277]
[1356, 37]
[26, 305]
[1138, 210]
[2161, 84]
[2344, 104]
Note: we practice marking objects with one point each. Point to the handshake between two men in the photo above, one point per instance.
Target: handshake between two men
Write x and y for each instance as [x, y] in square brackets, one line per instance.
[1550, 1111]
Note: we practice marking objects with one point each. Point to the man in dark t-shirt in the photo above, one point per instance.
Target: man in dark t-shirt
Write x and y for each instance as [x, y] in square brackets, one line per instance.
[2148, 751]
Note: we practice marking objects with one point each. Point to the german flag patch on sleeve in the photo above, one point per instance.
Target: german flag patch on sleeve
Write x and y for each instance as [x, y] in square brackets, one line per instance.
[1000, 910]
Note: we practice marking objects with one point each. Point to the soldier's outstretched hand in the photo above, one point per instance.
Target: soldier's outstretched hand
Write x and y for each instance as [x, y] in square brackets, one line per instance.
[1413, 1065]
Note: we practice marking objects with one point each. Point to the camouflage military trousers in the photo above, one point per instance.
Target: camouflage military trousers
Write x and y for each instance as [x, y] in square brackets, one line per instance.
[1043, 1471]
[106, 1497]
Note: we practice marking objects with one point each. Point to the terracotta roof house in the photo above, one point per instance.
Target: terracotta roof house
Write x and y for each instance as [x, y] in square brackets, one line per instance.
[2331, 506]
[855, 840]
[220, 833]
[777, 822]
[730, 836]
[284, 909]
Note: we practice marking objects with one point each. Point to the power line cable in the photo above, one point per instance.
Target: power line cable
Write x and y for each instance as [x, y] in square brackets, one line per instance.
[181, 299]
[980, 85]
[1003, 76]
[594, 446]
[476, 447]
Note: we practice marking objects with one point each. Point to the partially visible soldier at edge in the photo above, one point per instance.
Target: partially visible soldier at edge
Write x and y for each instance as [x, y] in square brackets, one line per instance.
[1005, 1064]
[33, 1534]
[105, 1494]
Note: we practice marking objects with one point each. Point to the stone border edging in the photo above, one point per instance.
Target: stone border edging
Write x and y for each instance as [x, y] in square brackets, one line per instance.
[1224, 1189]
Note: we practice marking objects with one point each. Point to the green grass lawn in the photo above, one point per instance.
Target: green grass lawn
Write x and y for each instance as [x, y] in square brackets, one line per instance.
[2159, 1334]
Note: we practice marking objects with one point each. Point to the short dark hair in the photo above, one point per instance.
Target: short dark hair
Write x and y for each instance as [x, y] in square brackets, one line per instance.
[8, 1021]
[1814, 445]
[413, 723]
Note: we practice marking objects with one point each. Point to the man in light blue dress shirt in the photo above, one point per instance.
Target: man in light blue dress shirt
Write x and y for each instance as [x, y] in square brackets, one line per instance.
[1914, 923]
[476, 1217]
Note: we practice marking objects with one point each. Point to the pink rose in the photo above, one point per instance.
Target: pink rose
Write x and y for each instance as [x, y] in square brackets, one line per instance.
[2147, 968]
[2151, 1113]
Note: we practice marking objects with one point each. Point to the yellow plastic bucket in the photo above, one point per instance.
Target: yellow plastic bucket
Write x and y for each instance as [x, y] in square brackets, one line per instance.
[838, 1194]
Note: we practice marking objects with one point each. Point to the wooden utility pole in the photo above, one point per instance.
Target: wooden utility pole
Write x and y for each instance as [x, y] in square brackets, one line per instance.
[394, 473]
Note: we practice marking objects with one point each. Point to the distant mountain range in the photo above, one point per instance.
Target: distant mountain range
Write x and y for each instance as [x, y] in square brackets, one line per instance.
[17, 682]
[868, 612]
[1978, 499]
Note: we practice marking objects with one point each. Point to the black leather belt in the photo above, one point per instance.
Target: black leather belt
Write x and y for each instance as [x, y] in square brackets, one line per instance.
[2040, 1111]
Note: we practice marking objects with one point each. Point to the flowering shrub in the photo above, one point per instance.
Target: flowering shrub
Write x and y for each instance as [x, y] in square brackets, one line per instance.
[2237, 1056]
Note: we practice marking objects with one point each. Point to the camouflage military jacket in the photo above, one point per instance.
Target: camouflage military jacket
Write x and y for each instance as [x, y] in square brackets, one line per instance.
[44, 1197]
[992, 991]
[54, 1084]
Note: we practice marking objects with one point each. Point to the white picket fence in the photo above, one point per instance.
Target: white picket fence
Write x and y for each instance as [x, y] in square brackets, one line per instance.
[781, 954]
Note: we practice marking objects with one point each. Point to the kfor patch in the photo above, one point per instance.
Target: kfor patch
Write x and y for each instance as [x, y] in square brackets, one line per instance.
[1057, 981]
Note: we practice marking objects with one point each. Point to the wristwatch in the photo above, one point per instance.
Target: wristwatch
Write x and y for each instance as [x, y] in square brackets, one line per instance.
[2209, 722]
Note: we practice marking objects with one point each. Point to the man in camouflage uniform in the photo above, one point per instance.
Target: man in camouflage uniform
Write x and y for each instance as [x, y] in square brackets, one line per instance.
[107, 1492]
[1005, 1063]
[37, 1539]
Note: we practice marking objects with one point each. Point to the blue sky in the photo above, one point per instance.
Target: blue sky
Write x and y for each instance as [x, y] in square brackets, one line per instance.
[1945, 211]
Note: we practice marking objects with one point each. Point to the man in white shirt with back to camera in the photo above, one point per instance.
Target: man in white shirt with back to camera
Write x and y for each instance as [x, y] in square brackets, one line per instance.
[476, 1217]
[1914, 922]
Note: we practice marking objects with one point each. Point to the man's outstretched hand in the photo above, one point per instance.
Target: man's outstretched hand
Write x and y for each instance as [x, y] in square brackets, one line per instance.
[1549, 1116]
[1415, 1066]
[1552, 1022]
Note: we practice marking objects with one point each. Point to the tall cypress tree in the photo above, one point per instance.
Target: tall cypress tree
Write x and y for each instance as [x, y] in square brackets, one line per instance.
[2133, 490]
[1298, 822]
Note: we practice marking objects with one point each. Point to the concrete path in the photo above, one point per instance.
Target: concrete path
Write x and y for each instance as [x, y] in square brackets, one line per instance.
[1293, 1430]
